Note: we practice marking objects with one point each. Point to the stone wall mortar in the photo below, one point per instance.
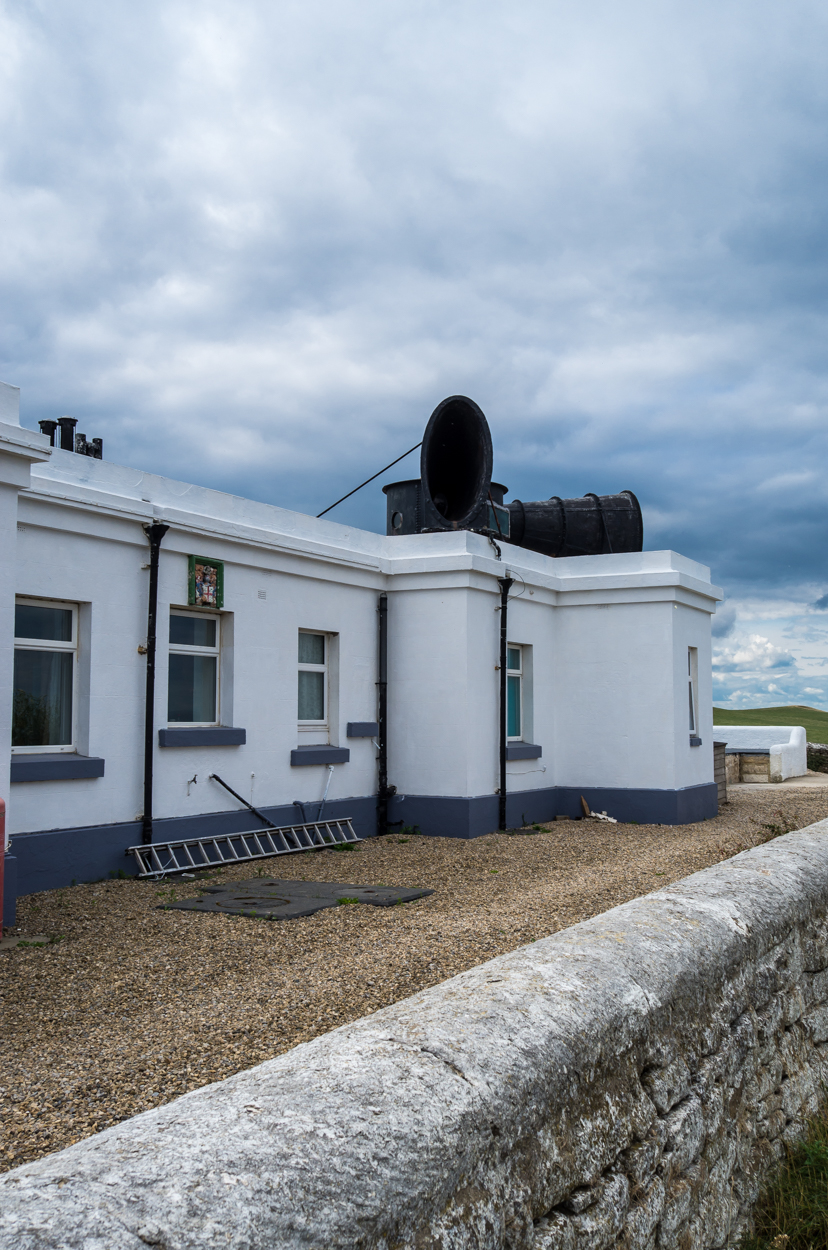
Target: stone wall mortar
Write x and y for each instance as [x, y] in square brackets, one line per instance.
[629, 1082]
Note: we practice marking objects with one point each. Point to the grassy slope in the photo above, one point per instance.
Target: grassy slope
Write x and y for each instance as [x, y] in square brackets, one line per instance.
[814, 722]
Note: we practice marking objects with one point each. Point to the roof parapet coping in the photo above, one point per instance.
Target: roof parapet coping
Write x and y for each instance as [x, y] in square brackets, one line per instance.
[9, 404]
[233, 516]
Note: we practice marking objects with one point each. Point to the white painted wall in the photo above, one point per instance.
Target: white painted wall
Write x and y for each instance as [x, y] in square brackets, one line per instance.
[8, 537]
[18, 450]
[608, 634]
[9, 404]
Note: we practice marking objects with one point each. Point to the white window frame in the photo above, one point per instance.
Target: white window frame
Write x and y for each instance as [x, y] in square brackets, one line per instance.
[693, 690]
[48, 644]
[316, 668]
[515, 672]
[178, 648]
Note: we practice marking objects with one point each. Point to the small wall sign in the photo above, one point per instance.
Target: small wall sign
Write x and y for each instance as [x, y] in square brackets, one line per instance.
[205, 584]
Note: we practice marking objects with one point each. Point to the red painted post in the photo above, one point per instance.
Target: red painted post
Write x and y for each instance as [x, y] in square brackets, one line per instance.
[2, 858]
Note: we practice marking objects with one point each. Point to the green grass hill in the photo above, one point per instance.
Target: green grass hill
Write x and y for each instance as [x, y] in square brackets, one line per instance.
[813, 721]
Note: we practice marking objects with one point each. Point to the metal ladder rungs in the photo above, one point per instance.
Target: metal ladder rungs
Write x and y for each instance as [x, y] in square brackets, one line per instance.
[315, 835]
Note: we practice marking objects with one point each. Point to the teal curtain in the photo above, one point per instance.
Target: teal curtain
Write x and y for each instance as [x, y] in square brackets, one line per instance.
[513, 707]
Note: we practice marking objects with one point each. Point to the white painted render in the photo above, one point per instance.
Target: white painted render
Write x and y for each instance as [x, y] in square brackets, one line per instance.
[19, 449]
[786, 745]
[9, 404]
[608, 636]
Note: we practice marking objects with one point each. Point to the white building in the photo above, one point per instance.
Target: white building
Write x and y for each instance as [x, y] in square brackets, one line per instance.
[275, 687]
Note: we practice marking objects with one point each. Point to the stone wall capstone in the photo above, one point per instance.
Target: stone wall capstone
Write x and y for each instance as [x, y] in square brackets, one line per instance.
[628, 1082]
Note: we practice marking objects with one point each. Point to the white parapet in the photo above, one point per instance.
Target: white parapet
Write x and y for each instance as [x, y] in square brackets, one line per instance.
[9, 403]
[628, 1081]
[785, 744]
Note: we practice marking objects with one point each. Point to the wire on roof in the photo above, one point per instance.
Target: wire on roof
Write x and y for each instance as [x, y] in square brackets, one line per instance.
[370, 479]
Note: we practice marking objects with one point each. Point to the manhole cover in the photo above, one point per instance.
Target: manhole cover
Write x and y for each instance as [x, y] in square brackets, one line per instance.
[286, 900]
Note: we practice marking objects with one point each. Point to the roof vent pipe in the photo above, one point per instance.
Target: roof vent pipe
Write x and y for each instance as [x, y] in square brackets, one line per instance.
[92, 447]
[456, 492]
[68, 440]
[67, 432]
[591, 526]
[456, 466]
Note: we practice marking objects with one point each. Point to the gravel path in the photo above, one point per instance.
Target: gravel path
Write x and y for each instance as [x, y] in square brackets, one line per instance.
[134, 1005]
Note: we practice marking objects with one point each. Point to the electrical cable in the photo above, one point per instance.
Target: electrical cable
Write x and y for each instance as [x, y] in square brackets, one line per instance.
[370, 479]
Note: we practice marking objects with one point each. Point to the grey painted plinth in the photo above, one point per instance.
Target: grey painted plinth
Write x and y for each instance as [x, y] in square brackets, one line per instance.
[627, 1082]
[55, 766]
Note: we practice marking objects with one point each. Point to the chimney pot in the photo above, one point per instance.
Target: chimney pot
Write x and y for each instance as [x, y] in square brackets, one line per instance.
[67, 432]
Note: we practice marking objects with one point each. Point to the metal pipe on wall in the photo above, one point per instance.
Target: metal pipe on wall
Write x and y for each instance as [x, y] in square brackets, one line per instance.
[249, 806]
[505, 583]
[382, 719]
[155, 533]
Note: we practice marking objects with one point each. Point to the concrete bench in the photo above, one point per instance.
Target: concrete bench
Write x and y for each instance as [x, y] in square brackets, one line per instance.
[764, 752]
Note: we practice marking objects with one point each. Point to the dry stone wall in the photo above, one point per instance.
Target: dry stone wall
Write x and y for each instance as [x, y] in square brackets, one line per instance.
[628, 1082]
[817, 757]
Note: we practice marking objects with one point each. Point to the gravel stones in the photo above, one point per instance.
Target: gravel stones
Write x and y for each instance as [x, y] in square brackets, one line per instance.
[504, 1108]
[134, 1006]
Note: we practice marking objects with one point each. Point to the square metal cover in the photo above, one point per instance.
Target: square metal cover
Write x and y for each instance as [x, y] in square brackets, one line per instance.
[271, 899]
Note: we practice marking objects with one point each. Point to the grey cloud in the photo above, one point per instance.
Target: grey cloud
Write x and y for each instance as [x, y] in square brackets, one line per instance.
[254, 247]
[724, 621]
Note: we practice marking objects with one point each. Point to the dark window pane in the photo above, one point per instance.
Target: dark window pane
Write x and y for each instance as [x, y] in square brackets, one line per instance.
[513, 658]
[35, 622]
[311, 696]
[513, 707]
[193, 631]
[191, 693]
[311, 648]
[42, 709]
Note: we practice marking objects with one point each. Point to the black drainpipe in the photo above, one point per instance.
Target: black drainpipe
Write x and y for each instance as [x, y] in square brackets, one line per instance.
[504, 583]
[155, 534]
[383, 791]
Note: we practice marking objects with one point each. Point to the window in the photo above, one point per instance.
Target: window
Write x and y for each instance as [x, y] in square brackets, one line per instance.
[693, 688]
[45, 663]
[514, 693]
[193, 685]
[313, 679]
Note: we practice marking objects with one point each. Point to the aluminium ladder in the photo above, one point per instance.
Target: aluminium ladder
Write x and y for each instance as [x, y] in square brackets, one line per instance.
[159, 859]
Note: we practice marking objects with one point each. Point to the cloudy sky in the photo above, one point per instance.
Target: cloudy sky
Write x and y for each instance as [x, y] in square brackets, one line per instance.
[253, 244]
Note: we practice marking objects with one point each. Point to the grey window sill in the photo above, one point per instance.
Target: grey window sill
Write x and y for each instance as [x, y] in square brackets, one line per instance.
[303, 756]
[206, 736]
[694, 741]
[363, 729]
[55, 767]
[523, 751]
